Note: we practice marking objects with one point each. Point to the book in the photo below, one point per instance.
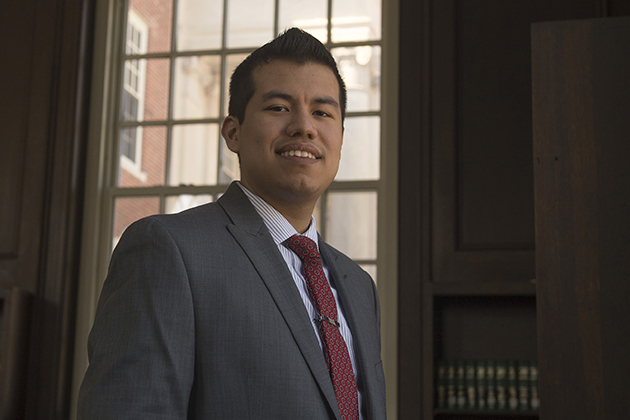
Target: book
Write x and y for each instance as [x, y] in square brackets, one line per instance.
[451, 397]
[491, 388]
[460, 384]
[523, 368]
[470, 383]
[487, 385]
[501, 384]
[482, 394]
[512, 385]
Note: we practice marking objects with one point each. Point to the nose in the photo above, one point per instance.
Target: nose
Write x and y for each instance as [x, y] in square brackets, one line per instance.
[302, 124]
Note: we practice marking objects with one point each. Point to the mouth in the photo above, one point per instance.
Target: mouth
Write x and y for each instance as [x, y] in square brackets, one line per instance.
[298, 153]
[299, 150]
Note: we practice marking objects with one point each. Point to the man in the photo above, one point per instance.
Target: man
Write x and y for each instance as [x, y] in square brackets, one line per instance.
[220, 312]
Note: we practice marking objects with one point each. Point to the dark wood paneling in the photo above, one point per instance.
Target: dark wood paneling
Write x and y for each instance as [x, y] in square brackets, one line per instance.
[466, 180]
[467, 324]
[17, 48]
[581, 94]
[43, 82]
[414, 347]
[483, 205]
[13, 108]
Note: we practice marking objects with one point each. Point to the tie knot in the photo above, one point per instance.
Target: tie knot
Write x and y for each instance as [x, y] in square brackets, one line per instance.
[303, 246]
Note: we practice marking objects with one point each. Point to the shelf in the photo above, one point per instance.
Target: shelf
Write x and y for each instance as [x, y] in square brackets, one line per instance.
[484, 414]
[491, 288]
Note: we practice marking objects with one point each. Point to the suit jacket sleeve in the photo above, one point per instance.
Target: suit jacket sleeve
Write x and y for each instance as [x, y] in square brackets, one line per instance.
[141, 348]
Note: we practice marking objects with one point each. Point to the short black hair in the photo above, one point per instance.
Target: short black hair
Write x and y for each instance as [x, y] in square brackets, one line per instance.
[293, 45]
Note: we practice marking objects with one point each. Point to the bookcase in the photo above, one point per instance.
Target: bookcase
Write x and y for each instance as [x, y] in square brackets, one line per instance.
[467, 272]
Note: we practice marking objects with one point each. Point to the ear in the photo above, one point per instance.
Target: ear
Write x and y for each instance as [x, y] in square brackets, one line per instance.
[230, 130]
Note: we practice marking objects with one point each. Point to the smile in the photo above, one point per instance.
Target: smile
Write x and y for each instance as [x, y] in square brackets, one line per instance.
[298, 153]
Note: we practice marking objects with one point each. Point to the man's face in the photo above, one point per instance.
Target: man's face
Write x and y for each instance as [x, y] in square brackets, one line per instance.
[290, 140]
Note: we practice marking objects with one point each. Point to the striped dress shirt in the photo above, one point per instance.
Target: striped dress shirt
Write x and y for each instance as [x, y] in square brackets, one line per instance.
[281, 230]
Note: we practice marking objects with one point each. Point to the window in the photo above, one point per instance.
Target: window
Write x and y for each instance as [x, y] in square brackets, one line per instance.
[174, 93]
[160, 94]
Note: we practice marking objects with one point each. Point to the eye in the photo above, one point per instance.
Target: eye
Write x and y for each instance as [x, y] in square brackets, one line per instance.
[321, 113]
[278, 108]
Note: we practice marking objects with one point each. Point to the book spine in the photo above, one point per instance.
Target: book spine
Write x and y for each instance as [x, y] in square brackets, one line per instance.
[451, 397]
[460, 377]
[471, 384]
[512, 385]
[491, 385]
[501, 384]
[523, 369]
[482, 390]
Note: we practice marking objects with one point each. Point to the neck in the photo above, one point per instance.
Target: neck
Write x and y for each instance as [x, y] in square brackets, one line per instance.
[297, 211]
[298, 215]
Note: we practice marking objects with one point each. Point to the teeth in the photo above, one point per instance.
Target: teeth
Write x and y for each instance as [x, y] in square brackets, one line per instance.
[298, 153]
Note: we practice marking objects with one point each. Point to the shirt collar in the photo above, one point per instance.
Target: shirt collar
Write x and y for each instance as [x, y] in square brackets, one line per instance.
[276, 223]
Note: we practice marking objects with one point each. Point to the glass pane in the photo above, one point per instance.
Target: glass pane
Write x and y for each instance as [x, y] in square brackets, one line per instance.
[149, 22]
[199, 24]
[371, 270]
[129, 209]
[249, 23]
[230, 168]
[232, 62]
[356, 20]
[142, 156]
[309, 15]
[194, 152]
[177, 203]
[351, 223]
[144, 94]
[361, 70]
[197, 87]
[360, 154]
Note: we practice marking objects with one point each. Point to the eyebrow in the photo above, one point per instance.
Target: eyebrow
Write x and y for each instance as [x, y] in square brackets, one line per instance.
[275, 93]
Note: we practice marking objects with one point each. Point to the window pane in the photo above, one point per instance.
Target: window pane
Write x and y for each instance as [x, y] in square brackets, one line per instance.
[356, 20]
[351, 223]
[197, 87]
[360, 154]
[156, 96]
[194, 152]
[153, 19]
[177, 203]
[199, 24]
[128, 210]
[147, 167]
[361, 70]
[250, 23]
[230, 168]
[144, 94]
[308, 15]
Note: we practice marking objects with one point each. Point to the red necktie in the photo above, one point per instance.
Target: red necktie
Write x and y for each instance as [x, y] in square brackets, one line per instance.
[338, 358]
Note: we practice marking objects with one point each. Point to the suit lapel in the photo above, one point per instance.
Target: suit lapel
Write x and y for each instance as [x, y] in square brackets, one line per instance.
[252, 235]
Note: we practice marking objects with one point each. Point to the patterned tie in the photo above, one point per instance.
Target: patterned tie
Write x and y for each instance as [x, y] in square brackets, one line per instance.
[338, 358]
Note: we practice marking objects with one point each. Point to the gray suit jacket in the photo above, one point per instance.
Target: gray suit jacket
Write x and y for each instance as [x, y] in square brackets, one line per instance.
[199, 318]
